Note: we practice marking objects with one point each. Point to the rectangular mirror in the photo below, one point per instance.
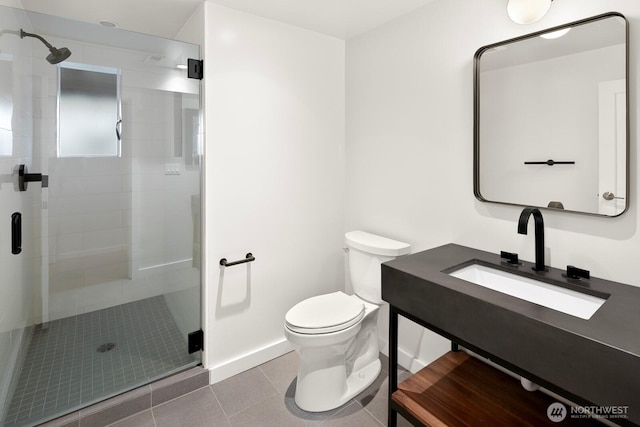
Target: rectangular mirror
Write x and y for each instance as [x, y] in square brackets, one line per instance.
[551, 125]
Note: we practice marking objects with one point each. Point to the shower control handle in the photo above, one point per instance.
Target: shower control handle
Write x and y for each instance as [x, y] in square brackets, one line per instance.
[24, 177]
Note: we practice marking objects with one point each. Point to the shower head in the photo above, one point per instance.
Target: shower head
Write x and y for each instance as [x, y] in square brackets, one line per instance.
[56, 55]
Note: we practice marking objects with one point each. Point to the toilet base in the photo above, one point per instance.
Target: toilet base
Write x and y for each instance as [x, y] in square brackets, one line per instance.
[356, 383]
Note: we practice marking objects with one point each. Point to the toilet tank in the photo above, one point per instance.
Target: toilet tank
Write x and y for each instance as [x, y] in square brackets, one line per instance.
[366, 253]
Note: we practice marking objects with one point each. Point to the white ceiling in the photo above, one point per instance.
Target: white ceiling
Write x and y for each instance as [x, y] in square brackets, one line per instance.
[162, 18]
[338, 18]
[343, 19]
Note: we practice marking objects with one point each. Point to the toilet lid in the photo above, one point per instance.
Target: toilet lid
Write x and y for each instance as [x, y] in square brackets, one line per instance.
[324, 314]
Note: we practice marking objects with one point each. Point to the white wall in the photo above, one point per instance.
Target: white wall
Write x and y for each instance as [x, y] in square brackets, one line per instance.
[274, 180]
[410, 145]
[12, 3]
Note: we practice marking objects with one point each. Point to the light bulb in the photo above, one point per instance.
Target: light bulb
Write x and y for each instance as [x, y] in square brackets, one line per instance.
[527, 11]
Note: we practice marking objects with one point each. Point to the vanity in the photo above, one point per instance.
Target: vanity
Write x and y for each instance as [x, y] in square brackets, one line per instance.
[551, 131]
[590, 359]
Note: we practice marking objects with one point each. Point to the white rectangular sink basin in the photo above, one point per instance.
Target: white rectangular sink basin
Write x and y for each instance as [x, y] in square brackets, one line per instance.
[550, 296]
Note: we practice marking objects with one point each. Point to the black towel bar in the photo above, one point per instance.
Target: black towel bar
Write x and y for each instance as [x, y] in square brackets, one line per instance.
[550, 162]
[249, 257]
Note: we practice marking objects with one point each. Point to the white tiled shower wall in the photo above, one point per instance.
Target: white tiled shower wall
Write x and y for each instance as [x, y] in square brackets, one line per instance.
[120, 229]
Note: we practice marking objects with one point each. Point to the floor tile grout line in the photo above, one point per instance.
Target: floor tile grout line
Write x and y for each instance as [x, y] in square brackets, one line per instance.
[219, 403]
[247, 408]
[373, 416]
[354, 406]
[75, 331]
[271, 382]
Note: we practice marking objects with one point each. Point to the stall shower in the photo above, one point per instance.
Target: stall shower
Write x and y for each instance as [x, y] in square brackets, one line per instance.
[100, 189]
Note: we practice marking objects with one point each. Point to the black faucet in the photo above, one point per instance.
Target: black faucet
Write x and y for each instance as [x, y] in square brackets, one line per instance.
[539, 233]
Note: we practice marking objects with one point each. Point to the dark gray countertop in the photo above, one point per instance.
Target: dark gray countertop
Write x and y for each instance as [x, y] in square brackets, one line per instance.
[592, 362]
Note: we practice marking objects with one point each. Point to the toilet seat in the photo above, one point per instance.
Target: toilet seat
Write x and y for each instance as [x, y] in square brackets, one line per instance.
[324, 314]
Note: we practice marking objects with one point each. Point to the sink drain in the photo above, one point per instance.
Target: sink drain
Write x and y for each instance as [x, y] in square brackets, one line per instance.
[105, 347]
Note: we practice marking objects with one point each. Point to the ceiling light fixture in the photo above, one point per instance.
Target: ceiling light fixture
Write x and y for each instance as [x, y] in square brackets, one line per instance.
[181, 67]
[527, 11]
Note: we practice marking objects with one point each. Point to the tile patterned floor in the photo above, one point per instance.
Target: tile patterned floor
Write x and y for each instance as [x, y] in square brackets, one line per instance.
[264, 397]
[147, 346]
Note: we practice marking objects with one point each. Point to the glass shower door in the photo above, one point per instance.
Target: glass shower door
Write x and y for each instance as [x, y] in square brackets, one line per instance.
[19, 211]
[110, 286]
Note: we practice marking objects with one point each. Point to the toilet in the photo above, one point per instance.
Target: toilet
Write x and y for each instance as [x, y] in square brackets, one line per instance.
[336, 335]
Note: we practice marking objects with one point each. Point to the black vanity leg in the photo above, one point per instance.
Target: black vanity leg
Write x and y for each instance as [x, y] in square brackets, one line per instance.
[393, 363]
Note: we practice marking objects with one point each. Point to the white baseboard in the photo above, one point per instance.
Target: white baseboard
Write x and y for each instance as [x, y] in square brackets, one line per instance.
[247, 361]
[250, 360]
[406, 360]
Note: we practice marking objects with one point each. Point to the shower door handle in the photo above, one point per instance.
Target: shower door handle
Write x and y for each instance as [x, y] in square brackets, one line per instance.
[16, 233]
[24, 177]
[119, 129]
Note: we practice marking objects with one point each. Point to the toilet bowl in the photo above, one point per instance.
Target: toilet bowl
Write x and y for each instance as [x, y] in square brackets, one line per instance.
[336, 334]
[328, 375]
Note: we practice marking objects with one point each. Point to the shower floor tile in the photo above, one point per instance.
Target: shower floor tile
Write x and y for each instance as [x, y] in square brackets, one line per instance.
[82, 359]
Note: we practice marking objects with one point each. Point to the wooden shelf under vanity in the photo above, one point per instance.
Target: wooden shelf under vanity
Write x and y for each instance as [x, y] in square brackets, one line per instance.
[460, 390]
